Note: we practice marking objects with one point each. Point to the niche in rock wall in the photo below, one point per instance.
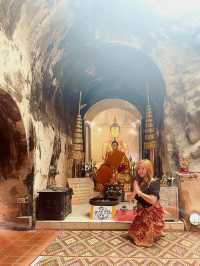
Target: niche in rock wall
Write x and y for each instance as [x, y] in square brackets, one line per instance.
[98, 121]
[16, 165]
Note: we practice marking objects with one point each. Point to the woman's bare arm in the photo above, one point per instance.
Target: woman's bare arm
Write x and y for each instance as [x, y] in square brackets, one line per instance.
[131, 195]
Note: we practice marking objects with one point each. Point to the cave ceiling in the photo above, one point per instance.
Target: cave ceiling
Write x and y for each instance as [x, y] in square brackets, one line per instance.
[77, 45]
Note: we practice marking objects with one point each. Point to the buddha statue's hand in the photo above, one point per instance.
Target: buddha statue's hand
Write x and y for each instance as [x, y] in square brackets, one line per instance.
[126, 172]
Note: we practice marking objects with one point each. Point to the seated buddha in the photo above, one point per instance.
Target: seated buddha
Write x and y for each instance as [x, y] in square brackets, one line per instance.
[116, 163]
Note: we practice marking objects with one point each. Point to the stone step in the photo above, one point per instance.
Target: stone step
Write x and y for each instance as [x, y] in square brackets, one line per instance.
[96, 225]
[24, 220]
[82, 189]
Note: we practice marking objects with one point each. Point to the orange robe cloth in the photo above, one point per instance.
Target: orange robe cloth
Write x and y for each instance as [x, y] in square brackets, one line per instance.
[112, 163]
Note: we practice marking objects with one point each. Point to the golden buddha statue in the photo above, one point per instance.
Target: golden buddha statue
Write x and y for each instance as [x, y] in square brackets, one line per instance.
[115, 169]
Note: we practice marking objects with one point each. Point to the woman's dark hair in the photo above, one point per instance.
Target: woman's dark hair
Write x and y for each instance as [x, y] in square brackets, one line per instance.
[115, 142]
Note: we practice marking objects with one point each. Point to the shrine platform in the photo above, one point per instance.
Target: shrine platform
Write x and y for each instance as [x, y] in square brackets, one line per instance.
[79, 219]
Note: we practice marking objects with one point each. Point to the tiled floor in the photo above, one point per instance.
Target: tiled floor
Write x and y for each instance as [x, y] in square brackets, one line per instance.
[106, 248]
[95, 248]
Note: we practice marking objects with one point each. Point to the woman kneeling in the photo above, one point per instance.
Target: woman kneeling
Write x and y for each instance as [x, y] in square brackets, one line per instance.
[148, 223]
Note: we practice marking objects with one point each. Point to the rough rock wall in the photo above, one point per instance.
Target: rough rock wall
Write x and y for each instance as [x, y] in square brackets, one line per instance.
[13, 71]
[177, 57]
[182, 122]
[29, 50]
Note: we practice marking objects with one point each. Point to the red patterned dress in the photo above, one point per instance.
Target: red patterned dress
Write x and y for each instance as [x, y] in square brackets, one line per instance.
[148, 223]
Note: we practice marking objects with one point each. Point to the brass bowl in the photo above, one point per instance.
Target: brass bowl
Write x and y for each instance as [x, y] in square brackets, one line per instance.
[104, 201]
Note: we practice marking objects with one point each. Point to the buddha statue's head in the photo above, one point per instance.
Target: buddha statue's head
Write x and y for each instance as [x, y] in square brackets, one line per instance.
[115, 145]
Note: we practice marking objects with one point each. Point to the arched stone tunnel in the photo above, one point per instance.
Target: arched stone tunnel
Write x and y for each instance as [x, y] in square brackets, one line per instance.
[51, 50]
[16, 159]
[13, 137]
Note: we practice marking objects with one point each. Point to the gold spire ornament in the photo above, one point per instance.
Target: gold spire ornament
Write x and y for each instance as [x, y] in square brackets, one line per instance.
[76, 148]
[149, 132]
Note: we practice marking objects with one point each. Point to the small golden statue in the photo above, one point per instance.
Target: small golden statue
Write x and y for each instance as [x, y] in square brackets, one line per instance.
[184, 162]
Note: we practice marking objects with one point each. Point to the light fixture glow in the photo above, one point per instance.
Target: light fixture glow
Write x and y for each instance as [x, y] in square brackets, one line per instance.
[115, 129]
[194, 218]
